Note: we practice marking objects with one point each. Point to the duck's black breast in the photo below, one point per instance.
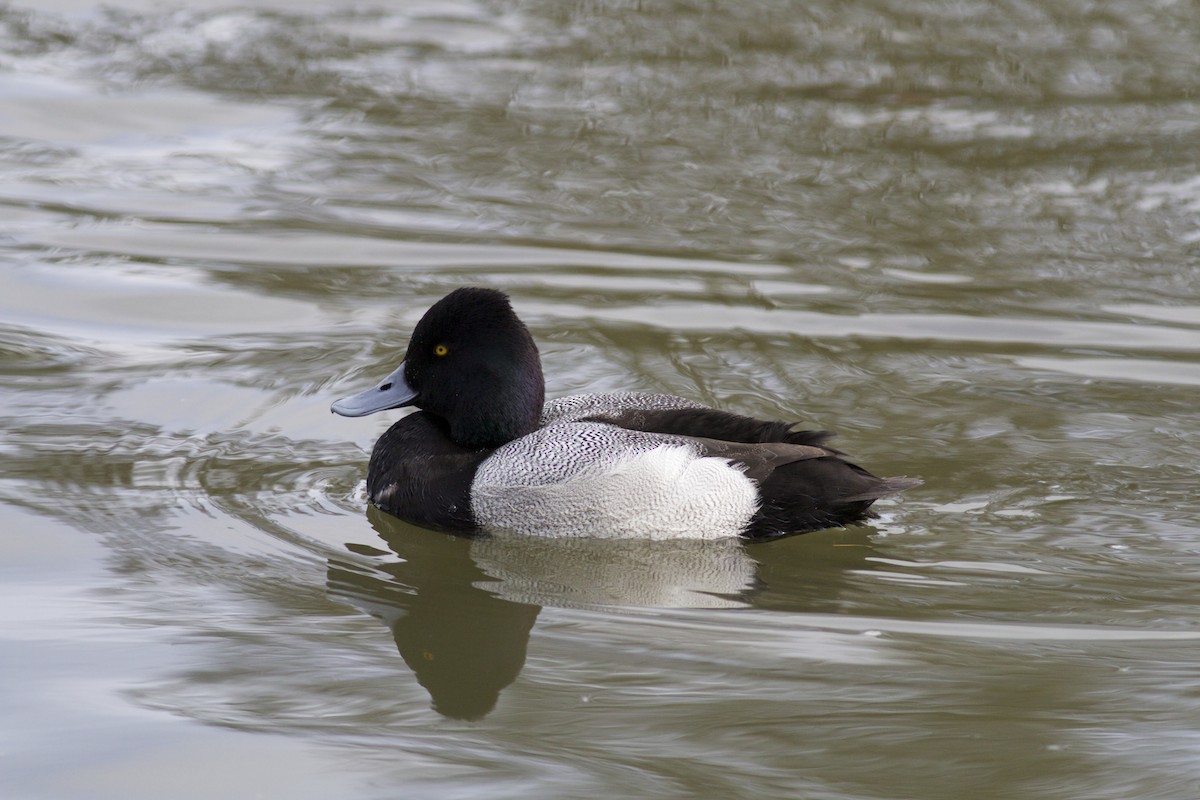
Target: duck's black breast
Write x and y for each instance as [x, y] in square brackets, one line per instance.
[419, 475]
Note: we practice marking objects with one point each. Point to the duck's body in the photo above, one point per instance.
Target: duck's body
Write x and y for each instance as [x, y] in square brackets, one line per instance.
[486, 454]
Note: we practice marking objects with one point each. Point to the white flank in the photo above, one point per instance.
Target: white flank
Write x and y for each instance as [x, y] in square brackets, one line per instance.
[584, 479]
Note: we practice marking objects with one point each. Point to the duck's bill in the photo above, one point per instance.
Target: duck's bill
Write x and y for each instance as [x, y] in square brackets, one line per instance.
[391, 392]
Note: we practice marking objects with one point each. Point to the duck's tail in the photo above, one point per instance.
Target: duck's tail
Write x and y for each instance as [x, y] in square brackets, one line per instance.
[819, 493]
[885, 487]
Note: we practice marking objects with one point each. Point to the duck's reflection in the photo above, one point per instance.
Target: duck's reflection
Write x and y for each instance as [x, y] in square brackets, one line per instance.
[462, 642]
[461, 609]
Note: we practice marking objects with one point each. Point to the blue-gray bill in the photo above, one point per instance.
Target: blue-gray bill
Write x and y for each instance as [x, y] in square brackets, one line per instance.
[391, 392]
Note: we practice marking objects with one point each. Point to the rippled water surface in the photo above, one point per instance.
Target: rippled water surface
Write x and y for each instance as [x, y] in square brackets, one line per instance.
[965, 236]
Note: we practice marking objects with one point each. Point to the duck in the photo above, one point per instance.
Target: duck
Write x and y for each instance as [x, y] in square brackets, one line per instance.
[485, 453]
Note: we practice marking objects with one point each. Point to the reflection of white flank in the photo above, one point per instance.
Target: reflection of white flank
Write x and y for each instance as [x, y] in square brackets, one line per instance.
[626, 572]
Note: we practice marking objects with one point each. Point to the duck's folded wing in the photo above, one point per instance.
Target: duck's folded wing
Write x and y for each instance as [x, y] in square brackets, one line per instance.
[759, 460]
[711, 423]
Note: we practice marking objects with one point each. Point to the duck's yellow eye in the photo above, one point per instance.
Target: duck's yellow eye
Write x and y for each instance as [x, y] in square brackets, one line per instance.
[440, 350]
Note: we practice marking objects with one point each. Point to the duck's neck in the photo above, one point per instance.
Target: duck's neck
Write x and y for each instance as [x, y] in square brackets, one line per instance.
[497, 416]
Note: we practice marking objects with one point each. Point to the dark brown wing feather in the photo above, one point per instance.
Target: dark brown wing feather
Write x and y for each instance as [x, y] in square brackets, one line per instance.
[714, 424]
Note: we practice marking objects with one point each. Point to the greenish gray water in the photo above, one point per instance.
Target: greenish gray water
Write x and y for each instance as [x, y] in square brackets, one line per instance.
[965, 236]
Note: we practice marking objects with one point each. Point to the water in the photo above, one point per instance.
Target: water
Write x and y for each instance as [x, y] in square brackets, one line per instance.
[965, 236]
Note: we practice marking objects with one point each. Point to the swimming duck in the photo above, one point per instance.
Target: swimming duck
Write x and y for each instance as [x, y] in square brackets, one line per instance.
[485, 452]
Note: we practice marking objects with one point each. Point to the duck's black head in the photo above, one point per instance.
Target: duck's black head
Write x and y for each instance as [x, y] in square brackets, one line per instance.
[472, 363]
